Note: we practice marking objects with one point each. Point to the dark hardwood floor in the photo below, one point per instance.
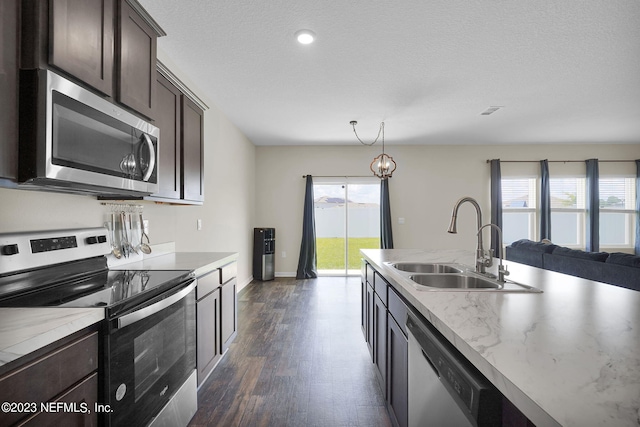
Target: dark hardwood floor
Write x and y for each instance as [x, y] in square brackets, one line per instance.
[299, 360]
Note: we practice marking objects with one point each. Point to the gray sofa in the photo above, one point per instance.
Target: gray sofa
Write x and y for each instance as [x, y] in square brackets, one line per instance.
[615, 268]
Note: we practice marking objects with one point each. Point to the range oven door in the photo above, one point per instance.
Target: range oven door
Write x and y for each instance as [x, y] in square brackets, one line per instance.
[79, 140]
[151, 353]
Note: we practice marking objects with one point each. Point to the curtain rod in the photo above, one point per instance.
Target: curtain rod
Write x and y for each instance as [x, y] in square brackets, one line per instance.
[560, 161]
[340, 176]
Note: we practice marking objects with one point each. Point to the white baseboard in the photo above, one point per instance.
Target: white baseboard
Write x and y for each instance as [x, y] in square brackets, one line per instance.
[243, 285]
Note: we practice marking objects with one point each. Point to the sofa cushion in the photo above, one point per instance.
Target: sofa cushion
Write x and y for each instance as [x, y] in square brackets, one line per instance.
[524, 256]
[624, 259]
[534, 246]
[574, 253]
[620, 275]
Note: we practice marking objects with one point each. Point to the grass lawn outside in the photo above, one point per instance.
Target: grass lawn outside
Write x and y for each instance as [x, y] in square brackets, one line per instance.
[331, 251]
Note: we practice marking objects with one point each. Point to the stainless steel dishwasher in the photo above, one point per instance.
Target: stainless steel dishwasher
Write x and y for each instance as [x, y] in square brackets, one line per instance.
[445, 389]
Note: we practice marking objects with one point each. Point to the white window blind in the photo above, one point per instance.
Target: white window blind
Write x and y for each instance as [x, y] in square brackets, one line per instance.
[568, 211]
[518, 209]
[617, 212]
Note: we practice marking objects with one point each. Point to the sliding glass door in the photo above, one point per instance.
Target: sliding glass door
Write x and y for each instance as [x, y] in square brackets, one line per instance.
[347, 215]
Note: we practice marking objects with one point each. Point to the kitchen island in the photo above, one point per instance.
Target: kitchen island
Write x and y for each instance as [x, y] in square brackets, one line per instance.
[568, 356]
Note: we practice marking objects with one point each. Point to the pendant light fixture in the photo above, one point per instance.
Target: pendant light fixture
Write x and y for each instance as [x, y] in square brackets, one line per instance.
[383, 165]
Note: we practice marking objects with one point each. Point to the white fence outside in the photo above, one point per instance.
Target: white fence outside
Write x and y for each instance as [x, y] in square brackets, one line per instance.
[364, 221]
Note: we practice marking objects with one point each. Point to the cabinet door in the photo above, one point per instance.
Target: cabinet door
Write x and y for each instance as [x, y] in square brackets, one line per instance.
[81, 40]
[397, 380]
[207, 334]
[363, 307]
[9, 89]
[229, 316]
[56, 372]
[370, 319]
[167, 116]
[380, 340]
[136, 62]
[192, 151]
[83, 395]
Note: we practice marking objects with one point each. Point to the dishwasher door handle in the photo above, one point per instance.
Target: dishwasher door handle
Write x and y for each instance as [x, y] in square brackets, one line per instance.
[433, 366]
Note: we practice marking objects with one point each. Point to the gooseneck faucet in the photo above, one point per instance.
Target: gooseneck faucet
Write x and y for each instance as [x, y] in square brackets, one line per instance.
[502, 270]
[482, 260]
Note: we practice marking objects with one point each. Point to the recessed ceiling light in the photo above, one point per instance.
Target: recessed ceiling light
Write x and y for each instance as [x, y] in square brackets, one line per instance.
[305, 36]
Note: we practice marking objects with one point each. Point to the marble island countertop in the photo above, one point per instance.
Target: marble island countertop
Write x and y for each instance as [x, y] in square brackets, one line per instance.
[569, 356]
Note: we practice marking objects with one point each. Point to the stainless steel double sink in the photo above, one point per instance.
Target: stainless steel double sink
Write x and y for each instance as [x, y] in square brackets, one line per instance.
[454, 277]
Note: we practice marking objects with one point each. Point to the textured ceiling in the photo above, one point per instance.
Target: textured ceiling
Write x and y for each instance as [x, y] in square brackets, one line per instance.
[566, 71]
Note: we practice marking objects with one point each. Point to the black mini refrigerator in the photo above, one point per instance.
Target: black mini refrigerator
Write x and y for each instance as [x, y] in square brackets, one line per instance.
[264, 247]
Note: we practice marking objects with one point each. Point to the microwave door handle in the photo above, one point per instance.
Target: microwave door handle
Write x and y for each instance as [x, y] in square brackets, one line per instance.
[145, 312]
[152, 159]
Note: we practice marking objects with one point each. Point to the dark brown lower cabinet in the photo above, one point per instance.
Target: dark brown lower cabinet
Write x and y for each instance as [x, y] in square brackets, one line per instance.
[216, 317]
[364, 313]
[380, 340]
[397, 380]
[65, 372]
[82, 396]
[370, 329]
[383, 320]
[208, 334]
[229, 307]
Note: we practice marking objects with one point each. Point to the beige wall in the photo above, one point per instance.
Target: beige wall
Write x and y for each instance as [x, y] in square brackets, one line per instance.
[248, 186]
[227, 215]
[427, 183]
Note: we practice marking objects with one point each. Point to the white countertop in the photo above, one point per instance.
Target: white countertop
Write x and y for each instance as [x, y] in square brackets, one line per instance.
[569, 356]
[23, 330]
[200, 262]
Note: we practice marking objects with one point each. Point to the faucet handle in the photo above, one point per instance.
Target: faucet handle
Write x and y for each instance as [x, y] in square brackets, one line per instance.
[502, 272]
[488, 257]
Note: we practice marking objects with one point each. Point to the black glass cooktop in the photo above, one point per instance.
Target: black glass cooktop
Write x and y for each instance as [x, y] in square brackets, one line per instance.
[87, 284]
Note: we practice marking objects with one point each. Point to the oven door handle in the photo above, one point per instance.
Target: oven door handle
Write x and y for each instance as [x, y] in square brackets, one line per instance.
[145, 312]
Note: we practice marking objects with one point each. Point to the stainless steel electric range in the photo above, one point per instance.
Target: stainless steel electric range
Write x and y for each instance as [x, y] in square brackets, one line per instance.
[148, 357]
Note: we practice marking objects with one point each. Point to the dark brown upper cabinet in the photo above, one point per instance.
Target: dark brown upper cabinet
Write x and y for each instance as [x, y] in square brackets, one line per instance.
[192, 151]
[107, 45]
[167, 116]
[9, 14]
[82, 40]
[137, 47]
[179, 114]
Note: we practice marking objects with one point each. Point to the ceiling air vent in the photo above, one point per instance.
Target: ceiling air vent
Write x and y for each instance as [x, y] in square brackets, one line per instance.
[491, 110]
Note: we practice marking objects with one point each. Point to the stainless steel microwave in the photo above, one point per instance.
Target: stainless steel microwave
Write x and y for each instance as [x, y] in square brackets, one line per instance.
[73, 140]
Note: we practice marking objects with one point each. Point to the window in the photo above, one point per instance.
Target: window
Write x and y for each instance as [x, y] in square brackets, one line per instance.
[617, 212]
[518, 209]
[568, 211]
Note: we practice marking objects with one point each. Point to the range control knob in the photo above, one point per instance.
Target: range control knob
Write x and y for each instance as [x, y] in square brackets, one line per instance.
[9, 249]
[102, 239]
[91, 240]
